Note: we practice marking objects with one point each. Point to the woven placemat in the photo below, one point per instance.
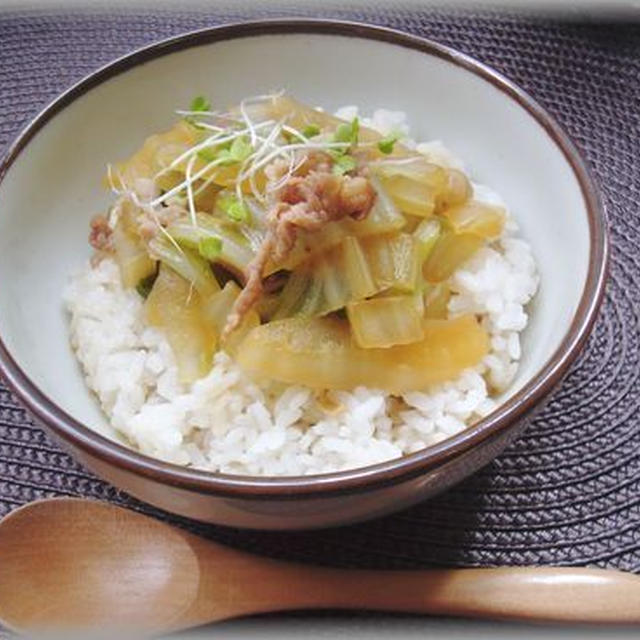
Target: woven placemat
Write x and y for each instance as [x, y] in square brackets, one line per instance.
[568, 491]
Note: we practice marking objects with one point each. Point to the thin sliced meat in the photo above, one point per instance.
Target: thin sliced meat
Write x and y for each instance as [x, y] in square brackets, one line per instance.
[100, 233]
[304, 202]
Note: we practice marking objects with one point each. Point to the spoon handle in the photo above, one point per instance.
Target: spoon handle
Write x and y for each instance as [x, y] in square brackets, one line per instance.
[68, 561]
[514, 593]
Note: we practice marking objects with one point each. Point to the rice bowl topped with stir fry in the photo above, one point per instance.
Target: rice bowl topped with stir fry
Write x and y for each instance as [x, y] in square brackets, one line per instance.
[280, 291]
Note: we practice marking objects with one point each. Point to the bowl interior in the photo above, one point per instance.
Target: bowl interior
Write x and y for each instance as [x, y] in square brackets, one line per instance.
[54, 186]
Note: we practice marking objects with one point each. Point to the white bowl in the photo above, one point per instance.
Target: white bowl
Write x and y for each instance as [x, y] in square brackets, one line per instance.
[51, 186]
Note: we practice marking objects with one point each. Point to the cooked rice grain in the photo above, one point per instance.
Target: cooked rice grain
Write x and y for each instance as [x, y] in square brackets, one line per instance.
[227, 422]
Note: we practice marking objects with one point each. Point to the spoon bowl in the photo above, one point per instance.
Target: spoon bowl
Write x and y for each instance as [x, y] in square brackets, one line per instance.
[80, 571]
[70, 564]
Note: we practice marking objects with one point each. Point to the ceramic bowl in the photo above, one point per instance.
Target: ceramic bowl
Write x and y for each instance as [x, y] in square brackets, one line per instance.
[51, 186]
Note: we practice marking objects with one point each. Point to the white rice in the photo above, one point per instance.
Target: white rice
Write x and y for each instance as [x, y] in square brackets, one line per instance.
[226, 422]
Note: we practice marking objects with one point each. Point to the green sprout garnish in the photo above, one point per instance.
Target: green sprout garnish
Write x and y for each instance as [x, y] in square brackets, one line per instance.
[234, 209]
[200, 103]
[225, 157]
[386, 144]
[343, 164]
[249, 146]
[311, 130]
[207, 154]
[210, 247]
[347, 132]
[239, 150]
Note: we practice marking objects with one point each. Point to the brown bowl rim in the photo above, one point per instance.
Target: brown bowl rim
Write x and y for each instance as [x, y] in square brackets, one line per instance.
[364, 478]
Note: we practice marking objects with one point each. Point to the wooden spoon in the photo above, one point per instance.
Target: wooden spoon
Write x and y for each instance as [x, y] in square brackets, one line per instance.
[76, 564]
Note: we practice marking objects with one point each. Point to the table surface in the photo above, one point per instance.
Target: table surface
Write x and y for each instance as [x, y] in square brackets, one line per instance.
[568, 491]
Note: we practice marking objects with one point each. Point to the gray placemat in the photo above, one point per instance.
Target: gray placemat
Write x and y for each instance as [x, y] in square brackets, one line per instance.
[568, 491]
